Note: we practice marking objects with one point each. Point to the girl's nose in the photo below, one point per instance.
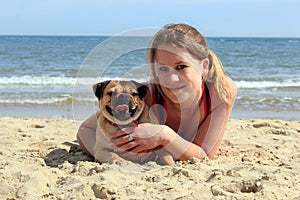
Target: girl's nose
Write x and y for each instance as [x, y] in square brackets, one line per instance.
[174, 77]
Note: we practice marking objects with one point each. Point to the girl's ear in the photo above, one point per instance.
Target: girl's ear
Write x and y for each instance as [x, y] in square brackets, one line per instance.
[205, 65]
[205, 69]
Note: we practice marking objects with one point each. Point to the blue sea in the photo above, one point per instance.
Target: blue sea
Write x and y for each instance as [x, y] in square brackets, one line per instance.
[52, 76]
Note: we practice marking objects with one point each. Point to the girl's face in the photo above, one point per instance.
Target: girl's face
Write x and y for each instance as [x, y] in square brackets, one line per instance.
[180, 74]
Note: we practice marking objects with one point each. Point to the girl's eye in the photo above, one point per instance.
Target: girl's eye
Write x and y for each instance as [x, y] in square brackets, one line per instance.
[164, 68]
[181, 67]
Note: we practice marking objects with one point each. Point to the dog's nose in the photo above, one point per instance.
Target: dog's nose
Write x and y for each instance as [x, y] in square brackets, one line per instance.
[123, 98]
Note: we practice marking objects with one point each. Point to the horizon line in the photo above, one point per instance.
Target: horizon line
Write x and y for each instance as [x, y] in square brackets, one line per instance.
[75, 35]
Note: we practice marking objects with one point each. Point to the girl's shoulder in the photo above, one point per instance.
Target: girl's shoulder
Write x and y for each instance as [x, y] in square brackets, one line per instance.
[231, 89]
[231, 93]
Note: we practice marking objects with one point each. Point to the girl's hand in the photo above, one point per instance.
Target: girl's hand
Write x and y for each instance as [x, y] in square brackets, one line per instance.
[144, 138]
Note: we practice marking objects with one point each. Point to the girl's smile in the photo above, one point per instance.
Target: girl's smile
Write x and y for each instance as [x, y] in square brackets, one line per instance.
[176, 89]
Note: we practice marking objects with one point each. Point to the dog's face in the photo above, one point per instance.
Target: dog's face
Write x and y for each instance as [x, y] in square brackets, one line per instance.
[120, 102]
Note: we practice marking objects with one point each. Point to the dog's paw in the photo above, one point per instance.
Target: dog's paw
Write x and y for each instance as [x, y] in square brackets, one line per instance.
[116, 159]
[165, 157]
[111, 158]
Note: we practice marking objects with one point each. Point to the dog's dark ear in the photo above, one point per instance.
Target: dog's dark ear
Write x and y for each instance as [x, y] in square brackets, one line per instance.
[141, 88]
[99, 88]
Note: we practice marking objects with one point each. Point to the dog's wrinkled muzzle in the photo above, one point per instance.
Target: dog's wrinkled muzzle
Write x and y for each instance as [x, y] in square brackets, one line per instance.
[122, 107]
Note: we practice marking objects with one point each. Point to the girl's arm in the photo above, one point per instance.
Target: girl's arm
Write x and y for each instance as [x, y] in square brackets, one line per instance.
[210, 133]
[86, 134]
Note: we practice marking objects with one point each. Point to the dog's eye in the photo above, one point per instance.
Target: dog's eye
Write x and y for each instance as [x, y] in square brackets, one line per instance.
[109, 93]
[135, 94]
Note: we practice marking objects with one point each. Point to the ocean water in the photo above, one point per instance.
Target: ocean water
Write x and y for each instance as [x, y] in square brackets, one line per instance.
[52, 76]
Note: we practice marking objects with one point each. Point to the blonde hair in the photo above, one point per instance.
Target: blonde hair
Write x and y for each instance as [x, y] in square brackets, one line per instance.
[187, 37]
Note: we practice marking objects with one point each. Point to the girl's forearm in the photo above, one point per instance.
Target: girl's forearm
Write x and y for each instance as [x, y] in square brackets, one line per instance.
[180, 148]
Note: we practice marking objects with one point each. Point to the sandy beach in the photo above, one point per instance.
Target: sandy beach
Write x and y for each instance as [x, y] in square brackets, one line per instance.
[40, 159]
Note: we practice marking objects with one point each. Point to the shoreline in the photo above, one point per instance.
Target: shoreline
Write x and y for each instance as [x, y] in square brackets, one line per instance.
[83, 111]
[41, 159]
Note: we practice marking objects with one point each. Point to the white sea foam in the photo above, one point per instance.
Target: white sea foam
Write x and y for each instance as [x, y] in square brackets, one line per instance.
[58, 80]
[267, 84]
[62, 80]
[37, 80]
[50, 100]
[54, 100]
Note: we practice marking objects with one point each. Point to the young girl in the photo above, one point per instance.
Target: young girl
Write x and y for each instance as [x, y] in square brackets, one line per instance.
[190, 95]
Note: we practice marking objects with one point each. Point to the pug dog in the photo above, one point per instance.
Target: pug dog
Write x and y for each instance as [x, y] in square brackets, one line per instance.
[121, 105]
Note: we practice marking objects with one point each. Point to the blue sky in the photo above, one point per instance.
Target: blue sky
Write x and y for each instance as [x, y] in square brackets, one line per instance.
[248, 18]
